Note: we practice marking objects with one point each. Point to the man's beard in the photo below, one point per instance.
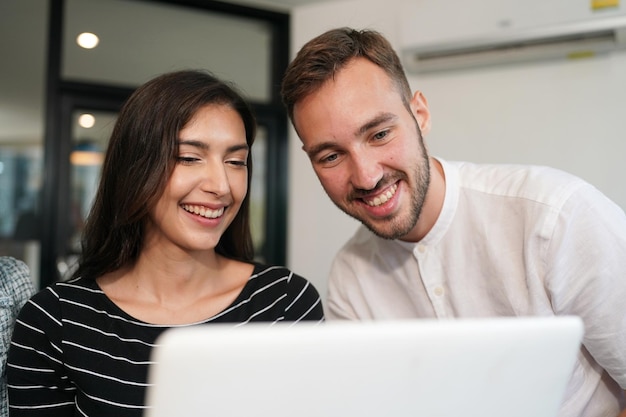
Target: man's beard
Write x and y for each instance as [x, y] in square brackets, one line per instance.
[397, 228]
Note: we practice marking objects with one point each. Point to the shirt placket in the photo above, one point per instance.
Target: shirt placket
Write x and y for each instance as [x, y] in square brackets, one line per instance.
[430, 269]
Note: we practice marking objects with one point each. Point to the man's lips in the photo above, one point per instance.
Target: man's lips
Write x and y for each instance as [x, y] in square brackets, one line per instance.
[382, 198]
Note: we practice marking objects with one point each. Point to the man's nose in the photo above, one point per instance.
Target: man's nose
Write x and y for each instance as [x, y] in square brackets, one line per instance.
[366, 172]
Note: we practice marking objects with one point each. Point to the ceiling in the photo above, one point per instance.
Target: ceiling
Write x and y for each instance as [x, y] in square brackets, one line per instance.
[284, 5]
[23, 26]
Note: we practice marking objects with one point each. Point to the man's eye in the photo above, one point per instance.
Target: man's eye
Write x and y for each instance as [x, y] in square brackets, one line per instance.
[330, 158]
[381, 135]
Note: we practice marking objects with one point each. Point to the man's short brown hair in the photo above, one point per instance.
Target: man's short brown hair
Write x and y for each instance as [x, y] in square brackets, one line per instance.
[321, 58]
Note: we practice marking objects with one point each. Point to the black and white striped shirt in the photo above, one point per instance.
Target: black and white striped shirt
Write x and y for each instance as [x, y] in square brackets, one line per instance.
[75, 353]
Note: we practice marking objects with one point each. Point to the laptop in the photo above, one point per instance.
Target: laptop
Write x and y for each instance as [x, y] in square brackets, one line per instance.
[492, 367]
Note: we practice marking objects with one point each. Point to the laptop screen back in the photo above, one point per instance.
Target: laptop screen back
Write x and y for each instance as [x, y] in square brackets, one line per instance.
[517, 367]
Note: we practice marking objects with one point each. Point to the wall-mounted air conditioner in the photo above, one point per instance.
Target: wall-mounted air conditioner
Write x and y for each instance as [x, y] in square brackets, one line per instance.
[570, 40]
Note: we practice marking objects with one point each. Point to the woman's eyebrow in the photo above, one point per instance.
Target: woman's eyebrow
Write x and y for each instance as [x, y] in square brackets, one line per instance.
[195, 143]
[205, 146]
[239, 147]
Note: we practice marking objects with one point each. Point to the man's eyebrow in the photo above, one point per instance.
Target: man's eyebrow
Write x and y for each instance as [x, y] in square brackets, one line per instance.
[374, 122]
[320, 147]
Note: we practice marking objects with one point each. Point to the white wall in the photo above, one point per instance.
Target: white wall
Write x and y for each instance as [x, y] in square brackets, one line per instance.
[316, 228]
[570, 115]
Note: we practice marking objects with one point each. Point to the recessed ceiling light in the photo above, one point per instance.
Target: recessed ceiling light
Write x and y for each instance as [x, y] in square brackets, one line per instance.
[87, 40]
[86, 120]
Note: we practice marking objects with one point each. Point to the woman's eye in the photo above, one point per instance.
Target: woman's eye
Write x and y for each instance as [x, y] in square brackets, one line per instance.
[187, 159]
[238, 163]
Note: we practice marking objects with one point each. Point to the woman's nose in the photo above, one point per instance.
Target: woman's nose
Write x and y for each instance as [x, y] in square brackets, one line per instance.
[215, 179]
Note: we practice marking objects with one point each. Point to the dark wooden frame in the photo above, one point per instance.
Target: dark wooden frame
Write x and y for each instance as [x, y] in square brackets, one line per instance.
[64, 96]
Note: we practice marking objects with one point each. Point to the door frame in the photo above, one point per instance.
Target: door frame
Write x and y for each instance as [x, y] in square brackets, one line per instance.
[65, 96]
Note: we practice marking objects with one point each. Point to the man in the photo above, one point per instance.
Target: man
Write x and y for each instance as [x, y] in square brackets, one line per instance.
[443, 239]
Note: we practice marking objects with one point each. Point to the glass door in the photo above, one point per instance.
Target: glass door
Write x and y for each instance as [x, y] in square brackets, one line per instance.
[236, 43]
[90, 133]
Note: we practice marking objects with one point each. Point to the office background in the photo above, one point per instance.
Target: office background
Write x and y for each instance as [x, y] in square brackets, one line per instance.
[566, 114]
[563, 113]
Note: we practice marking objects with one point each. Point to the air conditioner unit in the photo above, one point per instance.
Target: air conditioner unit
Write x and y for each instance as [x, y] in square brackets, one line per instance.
[565, 41]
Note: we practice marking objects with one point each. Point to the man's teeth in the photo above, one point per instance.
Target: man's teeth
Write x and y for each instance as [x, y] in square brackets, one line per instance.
[382, 199]
[203, 211]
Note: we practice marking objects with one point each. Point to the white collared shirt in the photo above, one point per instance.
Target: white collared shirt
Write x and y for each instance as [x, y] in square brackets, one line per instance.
[510, 241]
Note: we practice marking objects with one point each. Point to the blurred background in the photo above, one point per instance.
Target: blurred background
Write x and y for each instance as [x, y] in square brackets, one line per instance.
[535, 82]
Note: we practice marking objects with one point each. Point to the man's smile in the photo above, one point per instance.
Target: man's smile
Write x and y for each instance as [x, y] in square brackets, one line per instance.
[383, 198]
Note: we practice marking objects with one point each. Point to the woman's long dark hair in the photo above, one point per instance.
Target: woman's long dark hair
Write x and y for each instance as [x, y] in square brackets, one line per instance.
[139, 161]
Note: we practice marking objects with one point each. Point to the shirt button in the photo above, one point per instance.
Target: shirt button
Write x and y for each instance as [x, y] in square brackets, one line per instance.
[439, 291]
[421, 248]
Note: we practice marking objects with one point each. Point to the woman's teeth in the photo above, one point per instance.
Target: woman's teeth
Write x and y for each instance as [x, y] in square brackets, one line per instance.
[204, 211]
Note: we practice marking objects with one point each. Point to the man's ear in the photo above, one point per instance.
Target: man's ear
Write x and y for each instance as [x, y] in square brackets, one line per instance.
[419, 107]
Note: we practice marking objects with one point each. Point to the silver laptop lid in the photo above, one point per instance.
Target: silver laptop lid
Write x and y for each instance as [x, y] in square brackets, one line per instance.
[517, 367]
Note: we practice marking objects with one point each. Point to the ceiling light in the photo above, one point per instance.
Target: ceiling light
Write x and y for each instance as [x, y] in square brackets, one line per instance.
[86, 120]
[87, 40]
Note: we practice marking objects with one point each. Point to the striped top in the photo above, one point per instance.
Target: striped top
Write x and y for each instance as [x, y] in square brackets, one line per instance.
[75, 353]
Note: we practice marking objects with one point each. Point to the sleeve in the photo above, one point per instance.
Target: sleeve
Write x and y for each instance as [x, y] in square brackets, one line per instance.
[304, 302]
[37, 380]
[16, 288]
[586, 274]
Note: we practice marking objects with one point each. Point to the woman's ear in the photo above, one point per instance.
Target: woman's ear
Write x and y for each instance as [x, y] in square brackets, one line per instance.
[419, 107]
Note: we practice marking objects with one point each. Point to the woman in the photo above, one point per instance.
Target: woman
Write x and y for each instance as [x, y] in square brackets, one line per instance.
[167, 243]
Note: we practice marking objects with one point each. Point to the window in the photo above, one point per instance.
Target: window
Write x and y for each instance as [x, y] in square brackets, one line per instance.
[137, 41]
